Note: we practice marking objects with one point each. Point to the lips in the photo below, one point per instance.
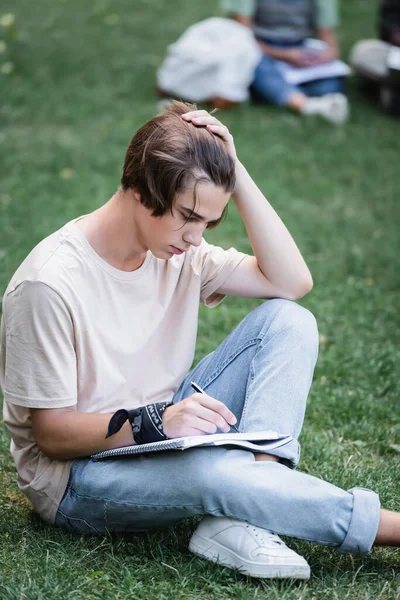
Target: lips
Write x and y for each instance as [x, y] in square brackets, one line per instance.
[176, 250]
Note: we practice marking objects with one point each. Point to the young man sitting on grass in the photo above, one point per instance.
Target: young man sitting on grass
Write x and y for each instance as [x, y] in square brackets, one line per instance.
[102, 316]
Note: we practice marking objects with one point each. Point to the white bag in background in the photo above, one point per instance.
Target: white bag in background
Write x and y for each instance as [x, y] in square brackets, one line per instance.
[214, 58]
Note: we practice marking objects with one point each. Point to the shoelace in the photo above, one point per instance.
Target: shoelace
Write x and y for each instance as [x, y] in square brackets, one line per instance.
[274, 538]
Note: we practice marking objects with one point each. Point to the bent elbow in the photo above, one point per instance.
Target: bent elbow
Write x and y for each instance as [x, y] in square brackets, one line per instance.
[46, 447]
[308, 285]
[52, 447]
[303, 289]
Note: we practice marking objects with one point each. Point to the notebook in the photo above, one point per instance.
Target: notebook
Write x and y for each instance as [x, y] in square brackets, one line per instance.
[298, 75]
[257, 441]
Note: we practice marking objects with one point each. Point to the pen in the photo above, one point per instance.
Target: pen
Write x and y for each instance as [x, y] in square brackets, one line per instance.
[198, 389]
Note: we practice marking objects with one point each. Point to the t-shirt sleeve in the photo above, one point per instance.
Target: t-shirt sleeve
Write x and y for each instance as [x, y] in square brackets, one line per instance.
[214, 265]
[327, 14]
[246, 8]
[38, 351]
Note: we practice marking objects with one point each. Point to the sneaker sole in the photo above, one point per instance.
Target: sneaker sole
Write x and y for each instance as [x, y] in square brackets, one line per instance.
[223, 556]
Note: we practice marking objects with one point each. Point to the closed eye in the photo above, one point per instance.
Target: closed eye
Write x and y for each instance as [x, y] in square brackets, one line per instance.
[210, 224]
[189, 219]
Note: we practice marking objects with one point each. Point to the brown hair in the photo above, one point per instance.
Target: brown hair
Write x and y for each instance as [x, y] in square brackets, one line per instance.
[168, 154]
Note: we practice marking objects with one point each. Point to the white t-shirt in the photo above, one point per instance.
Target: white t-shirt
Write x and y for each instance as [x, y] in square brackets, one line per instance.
[76, 330]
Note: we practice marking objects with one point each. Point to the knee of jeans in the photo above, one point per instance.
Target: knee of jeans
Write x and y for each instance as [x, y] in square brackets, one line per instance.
[222, 474]
[294, 318]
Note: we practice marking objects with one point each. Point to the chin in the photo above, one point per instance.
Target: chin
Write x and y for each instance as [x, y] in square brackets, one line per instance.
[162, 254]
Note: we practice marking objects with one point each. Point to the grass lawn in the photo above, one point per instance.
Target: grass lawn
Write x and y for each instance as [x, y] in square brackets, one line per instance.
[82, 84]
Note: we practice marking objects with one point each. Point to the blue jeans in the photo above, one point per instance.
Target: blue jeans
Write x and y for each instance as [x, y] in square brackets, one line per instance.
[262, 372]
[268, 83]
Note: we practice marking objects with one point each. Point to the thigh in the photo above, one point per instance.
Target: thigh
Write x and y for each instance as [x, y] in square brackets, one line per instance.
[136, 493]
[225, 381]
[224, 373]
[289, 337]
[268, 83]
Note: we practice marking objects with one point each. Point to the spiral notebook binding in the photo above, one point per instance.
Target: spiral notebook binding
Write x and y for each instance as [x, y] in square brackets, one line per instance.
[275, 440]
[139, 449]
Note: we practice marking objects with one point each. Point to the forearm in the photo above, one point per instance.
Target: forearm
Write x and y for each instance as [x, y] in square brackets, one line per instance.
[69, 434]
[328, 36]
[277, 254]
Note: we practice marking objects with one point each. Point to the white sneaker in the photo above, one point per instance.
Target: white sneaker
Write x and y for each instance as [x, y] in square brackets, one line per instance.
[239, 545]
[333, 107]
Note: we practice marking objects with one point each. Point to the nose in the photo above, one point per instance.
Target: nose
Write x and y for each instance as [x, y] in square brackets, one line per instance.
[194, 235]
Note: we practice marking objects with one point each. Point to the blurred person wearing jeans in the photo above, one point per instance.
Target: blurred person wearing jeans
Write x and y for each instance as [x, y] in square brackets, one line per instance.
[281, 28]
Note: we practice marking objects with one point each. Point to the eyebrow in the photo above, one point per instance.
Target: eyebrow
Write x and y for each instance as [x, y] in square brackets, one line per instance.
[191, 213]
[195, 215]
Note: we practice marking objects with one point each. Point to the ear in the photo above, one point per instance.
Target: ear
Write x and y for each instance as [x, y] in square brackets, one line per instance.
[136, 196]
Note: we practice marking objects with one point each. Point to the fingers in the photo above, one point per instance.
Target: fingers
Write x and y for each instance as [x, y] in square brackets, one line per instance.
[205, 419]
[219, 130]
[198, 414]
[213, 125]
[213, 411]
[193, 114]
[209, 427]
[201, 117]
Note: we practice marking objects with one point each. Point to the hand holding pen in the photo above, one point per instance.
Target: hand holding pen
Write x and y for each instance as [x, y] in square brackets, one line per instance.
[198, 414]
[198, 389]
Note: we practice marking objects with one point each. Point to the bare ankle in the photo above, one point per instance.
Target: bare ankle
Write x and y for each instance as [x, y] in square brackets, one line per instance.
[297, 101]
[266, 457]
[389, 529]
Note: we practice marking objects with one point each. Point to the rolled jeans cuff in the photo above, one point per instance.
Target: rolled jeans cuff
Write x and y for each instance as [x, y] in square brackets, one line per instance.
[364, 522]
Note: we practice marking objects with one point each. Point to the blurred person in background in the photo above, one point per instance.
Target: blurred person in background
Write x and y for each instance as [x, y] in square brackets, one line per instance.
[377, 62]
[282, 28]
[212, 62]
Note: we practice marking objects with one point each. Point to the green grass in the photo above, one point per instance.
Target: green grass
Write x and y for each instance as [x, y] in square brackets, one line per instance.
[82, 84]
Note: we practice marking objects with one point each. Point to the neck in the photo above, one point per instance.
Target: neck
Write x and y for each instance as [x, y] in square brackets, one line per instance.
[112, 232]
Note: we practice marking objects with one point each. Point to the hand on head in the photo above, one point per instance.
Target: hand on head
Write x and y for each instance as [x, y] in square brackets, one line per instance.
[201, 118]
